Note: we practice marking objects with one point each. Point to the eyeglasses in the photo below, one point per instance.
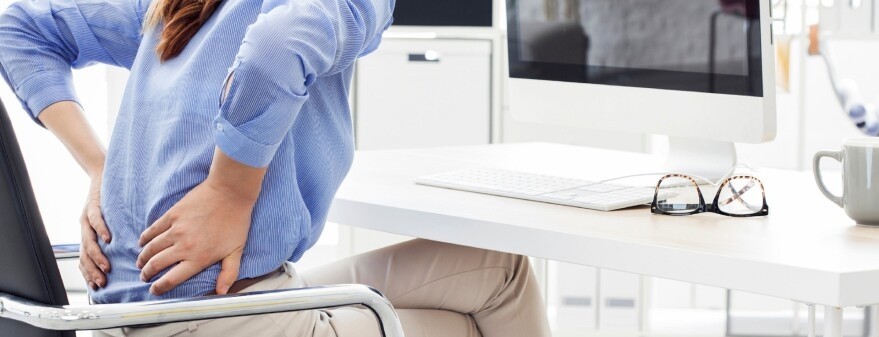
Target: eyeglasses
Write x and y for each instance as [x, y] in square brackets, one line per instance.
[738, 196]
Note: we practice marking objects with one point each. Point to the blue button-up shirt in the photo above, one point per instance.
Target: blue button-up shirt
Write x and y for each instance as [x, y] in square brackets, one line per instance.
[287, 109]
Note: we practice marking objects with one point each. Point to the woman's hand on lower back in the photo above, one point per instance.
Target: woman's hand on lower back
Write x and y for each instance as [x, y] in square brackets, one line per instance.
[209, 225]
[92, 263]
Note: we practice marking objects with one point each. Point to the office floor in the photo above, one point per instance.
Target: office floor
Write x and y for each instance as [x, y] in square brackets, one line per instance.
[687, 322]
[664, 322]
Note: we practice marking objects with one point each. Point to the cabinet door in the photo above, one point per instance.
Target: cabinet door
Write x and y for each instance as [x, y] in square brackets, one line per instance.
[424, 93]
[572, 297]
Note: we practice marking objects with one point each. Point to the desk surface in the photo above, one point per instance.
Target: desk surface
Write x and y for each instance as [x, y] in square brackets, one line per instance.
[806, 250]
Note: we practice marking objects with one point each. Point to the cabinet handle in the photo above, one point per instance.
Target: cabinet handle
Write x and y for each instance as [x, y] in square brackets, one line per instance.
[430, 56]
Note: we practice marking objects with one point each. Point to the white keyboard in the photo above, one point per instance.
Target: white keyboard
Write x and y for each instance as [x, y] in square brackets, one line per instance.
[543, 188]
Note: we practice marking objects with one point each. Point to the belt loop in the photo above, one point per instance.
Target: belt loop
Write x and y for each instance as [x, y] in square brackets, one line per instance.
[289, 270]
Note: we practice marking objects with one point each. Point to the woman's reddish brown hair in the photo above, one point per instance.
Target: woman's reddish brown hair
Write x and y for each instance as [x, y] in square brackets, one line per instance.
[180, 21]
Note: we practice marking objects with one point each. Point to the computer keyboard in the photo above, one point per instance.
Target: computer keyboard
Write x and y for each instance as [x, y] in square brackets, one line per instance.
[543, 188]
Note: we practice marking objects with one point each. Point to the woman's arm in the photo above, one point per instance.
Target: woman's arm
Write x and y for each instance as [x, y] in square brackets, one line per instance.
[68, 123]
[66, 120]
[283, 53]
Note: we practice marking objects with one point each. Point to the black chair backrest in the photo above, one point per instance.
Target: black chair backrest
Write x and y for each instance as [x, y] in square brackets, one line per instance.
[27, 263]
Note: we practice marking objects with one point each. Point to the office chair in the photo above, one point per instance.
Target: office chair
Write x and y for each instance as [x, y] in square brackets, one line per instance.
[33, 302]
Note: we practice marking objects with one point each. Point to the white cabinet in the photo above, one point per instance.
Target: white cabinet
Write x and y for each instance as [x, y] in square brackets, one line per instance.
[619, 301]
[582, 298]
[572, 297]
[424, 92]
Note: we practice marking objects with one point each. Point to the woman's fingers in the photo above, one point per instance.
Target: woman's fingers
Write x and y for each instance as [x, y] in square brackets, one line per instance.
[96, 220]
[93, 265]
[93, 251]
[160, 262]
[90, 272]
[157, 228]
[85, 274]
[228, 272]
[154, 247]
[177, 275]
[90, 248]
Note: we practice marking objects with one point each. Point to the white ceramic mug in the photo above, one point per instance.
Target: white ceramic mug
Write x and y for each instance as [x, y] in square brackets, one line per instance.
[860, 172]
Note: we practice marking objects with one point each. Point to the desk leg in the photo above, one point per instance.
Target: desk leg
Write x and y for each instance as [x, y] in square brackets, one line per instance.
[874, 321]
[812, 325]
[832, 321]
[644, 305]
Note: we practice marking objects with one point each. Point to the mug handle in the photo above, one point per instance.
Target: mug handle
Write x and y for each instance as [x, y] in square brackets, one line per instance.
[816, 169]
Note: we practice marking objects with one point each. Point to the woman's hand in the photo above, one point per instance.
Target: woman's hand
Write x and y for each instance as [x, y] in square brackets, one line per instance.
[92, 263]
[209, 225]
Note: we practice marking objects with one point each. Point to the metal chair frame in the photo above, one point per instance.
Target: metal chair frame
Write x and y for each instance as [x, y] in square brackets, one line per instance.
[107, 316]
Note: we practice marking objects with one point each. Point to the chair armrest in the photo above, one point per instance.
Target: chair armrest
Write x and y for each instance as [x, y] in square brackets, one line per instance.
[105, 316]
[66, 251]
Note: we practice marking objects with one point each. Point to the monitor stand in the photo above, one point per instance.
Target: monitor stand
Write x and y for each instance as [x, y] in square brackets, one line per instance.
[704, 158]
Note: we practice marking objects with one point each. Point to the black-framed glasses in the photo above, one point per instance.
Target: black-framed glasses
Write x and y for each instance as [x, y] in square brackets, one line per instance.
[737, 196]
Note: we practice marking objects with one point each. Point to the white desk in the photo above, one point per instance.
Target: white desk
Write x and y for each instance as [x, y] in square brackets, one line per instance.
[807, 250]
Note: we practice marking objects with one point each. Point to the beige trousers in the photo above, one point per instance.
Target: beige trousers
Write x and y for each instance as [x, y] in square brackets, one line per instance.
[437, 289]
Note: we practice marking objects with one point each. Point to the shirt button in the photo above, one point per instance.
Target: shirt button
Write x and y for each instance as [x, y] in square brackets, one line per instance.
[220, 127]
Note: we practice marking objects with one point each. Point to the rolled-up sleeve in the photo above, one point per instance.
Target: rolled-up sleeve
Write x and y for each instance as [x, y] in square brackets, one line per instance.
[287, 49]
[42, 40]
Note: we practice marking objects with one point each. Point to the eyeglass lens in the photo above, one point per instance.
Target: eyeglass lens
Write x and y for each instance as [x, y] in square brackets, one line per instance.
[741, 196]
[681, 195]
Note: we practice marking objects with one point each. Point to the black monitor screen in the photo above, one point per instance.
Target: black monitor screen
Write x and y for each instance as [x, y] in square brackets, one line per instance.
[475, 13]
[710, 46]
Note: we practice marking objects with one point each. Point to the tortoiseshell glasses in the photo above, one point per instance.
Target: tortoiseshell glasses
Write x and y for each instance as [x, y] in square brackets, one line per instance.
[738, 196]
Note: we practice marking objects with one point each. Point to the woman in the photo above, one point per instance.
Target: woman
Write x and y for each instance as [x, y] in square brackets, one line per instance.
[217, 178]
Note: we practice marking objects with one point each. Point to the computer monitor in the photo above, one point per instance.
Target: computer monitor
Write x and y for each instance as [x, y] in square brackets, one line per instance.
[699, 71]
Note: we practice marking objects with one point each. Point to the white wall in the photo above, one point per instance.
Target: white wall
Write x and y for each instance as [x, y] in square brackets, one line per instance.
[825, 123]
[822, 124]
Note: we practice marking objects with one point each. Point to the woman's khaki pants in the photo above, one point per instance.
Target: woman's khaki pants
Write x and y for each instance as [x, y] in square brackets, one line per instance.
[438, 290]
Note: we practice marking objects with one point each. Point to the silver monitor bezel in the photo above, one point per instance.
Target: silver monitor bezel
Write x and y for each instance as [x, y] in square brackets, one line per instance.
[683, 114]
